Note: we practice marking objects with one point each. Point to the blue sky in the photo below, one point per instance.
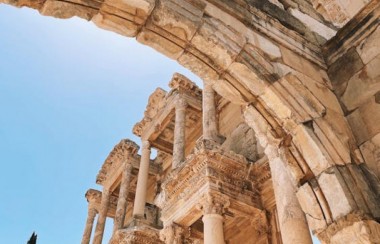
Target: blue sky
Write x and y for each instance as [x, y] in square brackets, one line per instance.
[69, 92]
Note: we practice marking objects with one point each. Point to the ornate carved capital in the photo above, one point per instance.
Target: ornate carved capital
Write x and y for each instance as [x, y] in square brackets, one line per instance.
[121, 153]
[181, 104]
[145, 145]
[172, 234]
[182, 83]
[213, 204]
[93, 195]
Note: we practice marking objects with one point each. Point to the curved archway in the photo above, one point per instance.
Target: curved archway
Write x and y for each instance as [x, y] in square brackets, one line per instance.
[272, 66]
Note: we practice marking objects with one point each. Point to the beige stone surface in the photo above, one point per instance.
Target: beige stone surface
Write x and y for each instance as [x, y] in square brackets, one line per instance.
[363, 85]
[370, 47]
[371, 153]
[366, 232]
[364, 120]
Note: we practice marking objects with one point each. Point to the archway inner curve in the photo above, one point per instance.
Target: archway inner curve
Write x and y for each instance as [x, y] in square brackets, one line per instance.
[274, 68]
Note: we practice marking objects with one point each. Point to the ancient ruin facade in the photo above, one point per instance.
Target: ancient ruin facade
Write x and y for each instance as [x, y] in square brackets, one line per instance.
[292, 142]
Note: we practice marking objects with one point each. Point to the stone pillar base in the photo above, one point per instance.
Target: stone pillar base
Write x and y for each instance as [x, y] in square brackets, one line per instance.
[344, 232]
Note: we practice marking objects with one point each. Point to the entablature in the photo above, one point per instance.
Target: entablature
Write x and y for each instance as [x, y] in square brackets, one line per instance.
[208, 171]
[157, 126]
[124, 152]
[94, 198]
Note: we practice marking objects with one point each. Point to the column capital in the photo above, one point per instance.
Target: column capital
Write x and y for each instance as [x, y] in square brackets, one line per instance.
[145, 145]
[173, 233]
[92, 210]
[181, 104]
[213, 204]
[207, 86]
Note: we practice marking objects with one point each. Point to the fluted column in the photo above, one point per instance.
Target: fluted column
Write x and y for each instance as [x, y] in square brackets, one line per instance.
[89, 224]
[142, 181]
[99, 230]
[179, 133]
[210, 127]
[213, 208]
[121, 208]
[293, 224]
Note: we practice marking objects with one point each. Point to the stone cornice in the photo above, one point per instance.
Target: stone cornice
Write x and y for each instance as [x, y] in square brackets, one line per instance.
[155, 103]
[182, 84]
[161, 103]
[94, 197]
[121, 153]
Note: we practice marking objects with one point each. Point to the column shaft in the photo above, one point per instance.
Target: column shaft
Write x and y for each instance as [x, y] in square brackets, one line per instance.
[99, 230]
[210, 128]
[121, 208]
[213, 229]
[293, 225]
[89, 224]
[142, 181]
[179, 134]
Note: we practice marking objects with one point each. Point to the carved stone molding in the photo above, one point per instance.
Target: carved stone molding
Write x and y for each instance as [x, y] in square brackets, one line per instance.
[121, 153]
[137, 235]
[213, 204]
[173, 234]
[182, 84]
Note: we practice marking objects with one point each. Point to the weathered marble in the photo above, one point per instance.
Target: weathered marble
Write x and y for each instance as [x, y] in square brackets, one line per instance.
[142, 181]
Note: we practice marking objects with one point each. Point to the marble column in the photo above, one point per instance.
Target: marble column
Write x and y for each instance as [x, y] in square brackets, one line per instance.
[293, 225]
[213, 229]
[121, 208]
[213, 208]
[99, 230]
[210, 128]
[89, 224]
[179, 133]
[142, 181]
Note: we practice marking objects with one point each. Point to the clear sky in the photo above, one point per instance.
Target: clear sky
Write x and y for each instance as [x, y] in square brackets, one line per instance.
[69, 92]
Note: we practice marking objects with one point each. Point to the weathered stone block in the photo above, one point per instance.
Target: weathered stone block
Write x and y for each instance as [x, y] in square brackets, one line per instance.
[221, 43]
[364, 121]
[160, 43]
[311, 148]
[364, 190]
[311, 207]
[364, 232]
[321, 91]
[304, 66]
[200, 67]
[362, 85]
[229, 91]
[180, 18]
[309, 103]
[277, 104]
[115, 24]
[36, 4]
[68, 9]
[336, 192]
[343, 69]
[248, 78]
[336, 144]
[370, 47]
[371, 153]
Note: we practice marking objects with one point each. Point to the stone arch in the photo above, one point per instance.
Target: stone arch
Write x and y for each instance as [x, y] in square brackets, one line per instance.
[276, 72]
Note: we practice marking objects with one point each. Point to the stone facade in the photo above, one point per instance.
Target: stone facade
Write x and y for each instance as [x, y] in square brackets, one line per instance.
[291, 91]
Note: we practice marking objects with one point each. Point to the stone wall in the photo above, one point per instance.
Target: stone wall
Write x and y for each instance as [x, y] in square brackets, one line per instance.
[355, 76]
